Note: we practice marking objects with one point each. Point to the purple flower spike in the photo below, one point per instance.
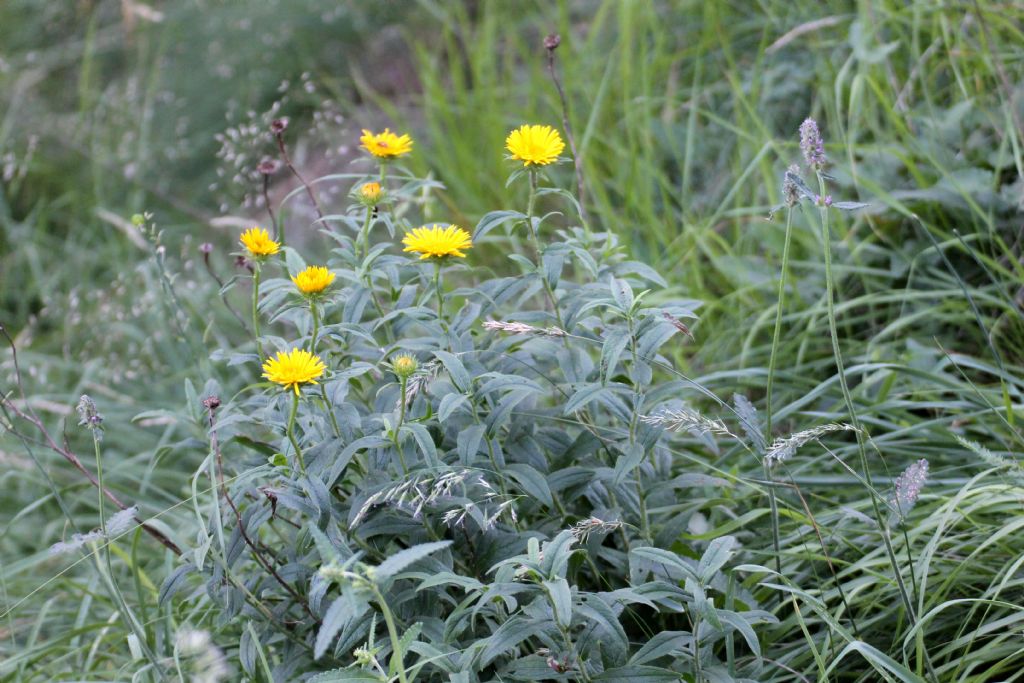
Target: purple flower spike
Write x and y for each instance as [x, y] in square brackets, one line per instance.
[812, 146]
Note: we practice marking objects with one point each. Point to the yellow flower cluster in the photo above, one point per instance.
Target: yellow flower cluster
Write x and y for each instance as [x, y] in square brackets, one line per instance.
[534, 145]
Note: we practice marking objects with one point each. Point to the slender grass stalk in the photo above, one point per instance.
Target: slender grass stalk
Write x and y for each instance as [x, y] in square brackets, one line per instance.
[108, 576]
[851, 410]
[772, 501]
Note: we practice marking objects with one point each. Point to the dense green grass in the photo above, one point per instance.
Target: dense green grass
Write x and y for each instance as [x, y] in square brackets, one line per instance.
[685, 115]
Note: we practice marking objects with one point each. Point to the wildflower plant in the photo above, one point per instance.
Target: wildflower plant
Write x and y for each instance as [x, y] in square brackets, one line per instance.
[452, 467]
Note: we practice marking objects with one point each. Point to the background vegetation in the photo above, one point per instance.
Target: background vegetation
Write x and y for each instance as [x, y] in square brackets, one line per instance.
[685, 115]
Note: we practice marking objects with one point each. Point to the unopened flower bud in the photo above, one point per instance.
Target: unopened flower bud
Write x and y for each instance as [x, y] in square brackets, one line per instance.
[552, 41]
[268, 166]
[404, 366]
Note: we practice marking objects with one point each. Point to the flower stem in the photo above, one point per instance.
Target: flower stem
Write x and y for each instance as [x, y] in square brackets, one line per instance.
[291, 433]
[396, 644]
[363, 245]
[830, 307]
[772, 502]
[255, 308]
[401, 420]
[437, 289]
[535, 238]
[530, 204]
[315, 311]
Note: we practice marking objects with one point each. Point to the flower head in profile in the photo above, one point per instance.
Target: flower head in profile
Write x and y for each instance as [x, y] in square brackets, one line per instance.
[534, 145]
[313, 280]
[258, 243]
[370, 193]
[291, 369]
[386, 145]
[438, 242]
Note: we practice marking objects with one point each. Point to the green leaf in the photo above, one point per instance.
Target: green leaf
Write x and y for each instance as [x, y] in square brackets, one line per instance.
[507, 636]
[560, 596]
[449, 404]
[323, 544]
[402, 559]
[665, 558]
[345, 676]
[719, 552]
[584, 396]
[615, 341]
[622, 293]
[425, 441]
[743, 626]
[468, 443]
[628, 462]
[342, 611]
[662, 644]
[532, 481]
[456, 370]
[880, 661]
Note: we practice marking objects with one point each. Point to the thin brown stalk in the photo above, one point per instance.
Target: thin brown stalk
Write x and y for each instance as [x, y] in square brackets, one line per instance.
[551, 43]
[288, 162]
[211, 407]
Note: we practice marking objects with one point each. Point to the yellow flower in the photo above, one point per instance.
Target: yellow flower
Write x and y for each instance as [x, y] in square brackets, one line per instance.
[404, 366]
[537, 145]
[313, 280]
[258, 242]
[292, 368]
[438, 241]
[370, 192]
[386, 145]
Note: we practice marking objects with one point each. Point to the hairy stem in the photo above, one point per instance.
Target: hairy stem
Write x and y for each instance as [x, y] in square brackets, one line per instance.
[291, 432]
[255, 308]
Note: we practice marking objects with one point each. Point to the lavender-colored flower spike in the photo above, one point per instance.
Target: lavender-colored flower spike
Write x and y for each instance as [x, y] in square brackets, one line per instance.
[907, 487]
[812, 145]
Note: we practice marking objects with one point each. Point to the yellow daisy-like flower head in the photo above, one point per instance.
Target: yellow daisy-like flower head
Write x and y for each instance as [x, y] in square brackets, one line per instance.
[534, 145]
[313, 280]
[370, 193]
[386, 145]
[404, 366]
[294, 368]
[257, 241]
[437, 241]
